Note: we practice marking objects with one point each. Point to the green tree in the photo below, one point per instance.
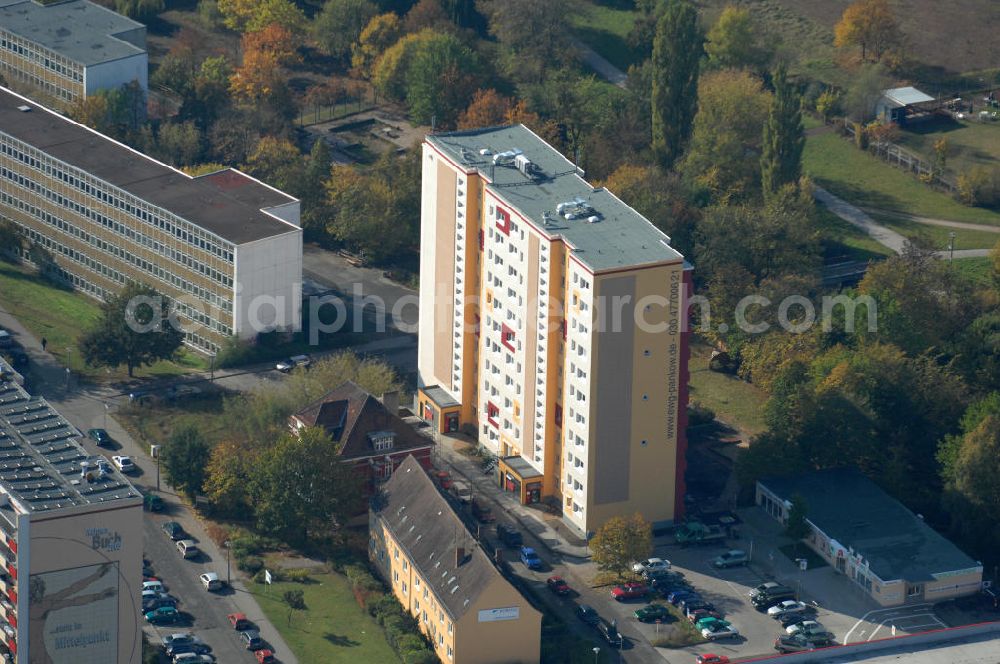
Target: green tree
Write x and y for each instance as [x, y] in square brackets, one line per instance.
[185, 459]
[226, 473]
[724, 153]
[784, 137]
[179, 143]
[620, 542]
[677, 51]
[277, 162]
[827, 104]
[11, 239]
[440, 79]
[136, 328]
[300, 487]
[995, 263]
[796, 527]
[734, 42]
[295, 601]
[864, 91]
[140, 10]
[659, 196]
[972, 489]
[313, 186]
[533, 35]
[255, 15]
[339, 24]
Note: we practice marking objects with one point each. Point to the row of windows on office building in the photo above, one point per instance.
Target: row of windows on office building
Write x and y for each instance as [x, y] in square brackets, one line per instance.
[118, 228]
[184, 231]
[153, 269]
[102, 293]
[58, 91]
[41, 56]
[101, 268]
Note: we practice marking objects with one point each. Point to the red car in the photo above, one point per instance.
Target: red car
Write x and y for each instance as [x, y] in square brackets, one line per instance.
[631, 590]
[695, 616]
[558, 585]
[443, 478]
[712, 659]
[239, 621]
[265, 656]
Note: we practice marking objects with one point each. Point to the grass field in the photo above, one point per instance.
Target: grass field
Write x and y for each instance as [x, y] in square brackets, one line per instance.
[735, 402]
[841, 239]
[605, 29]
[969, 143]
[937, 235]
[60, 315]
[978, 270]
[859, 178]
[333, 629]
[153, 424]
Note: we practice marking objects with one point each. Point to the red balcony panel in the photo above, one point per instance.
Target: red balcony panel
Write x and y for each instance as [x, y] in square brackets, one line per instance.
[491, 413]
[12, 545]
[503, 221]
[507, 337]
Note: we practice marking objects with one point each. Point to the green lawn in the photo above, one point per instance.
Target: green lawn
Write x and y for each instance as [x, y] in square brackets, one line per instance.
[605, 29]
[60, 315]
[978, 270]
[841, 239]
[969, 143]
[938, 235]
[333, 629]
[734, 401]
[859, 178]
[154, 423]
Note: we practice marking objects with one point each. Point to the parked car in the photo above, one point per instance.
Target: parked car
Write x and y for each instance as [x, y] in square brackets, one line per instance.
[695, 532]
[710, 658]
[162, 615]
[731, 558]
[558, 585]
[154, 585]
[697, 614]
[651, 564]
[509, 535]
[240, 622]
[173, 530]
[694, 602]
[151, 502]
[787, 607]
[292, 362]
[123, 463]
[791, 619]
[710, 623]
[771, 596]
[194, 658]
[187, 548]
[462, 491]
[610, 634]
[482, 513]
[251, 639]
[651, 613]
[265, 656]
[99, 436]
[178, 638]
[196, 648]
[629, 591]
[800, 643]
[587, 614]
[161, 599]
[663, 575]
[676, 596]
[805, 627]
[211, 581]
[719, 632]
[530, 558]
[443, 478]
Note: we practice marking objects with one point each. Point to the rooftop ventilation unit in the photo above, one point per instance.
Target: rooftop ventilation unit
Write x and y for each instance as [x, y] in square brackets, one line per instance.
[486, 152]
[525, 165]
[504, 158]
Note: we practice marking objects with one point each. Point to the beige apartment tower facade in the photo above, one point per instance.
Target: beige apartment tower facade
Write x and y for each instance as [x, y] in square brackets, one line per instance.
[551, 322]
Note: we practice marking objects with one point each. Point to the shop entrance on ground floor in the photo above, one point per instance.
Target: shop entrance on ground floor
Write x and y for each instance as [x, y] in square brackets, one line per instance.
[518, 477]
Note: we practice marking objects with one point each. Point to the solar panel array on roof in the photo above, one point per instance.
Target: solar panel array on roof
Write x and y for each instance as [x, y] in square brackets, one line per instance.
[42, 463]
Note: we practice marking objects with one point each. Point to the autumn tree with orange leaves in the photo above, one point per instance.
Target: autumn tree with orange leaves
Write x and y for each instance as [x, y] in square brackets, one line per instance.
[870, 25]
[265, 52]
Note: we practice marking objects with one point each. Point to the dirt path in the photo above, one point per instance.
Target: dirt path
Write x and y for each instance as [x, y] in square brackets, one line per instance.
[937, 222]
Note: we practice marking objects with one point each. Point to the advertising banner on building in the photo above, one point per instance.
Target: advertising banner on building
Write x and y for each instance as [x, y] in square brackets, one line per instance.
[74, 615]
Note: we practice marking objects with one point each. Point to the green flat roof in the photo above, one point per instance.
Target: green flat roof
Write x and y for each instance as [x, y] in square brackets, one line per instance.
[79, 29]
[620, 238]
[853, 510]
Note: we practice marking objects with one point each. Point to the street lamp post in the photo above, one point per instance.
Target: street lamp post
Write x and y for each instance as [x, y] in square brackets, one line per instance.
[597, 651]
[229, 578]
[106, 407]
[212, 367]
[951, 247]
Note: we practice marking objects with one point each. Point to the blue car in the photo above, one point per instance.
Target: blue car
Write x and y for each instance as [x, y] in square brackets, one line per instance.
[530, 558]
[676, 596]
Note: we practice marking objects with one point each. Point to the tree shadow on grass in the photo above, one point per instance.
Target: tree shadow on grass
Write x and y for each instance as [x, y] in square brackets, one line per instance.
[338, 640]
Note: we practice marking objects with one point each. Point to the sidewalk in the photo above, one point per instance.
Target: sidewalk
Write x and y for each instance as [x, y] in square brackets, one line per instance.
[82, 406]
[548, 528]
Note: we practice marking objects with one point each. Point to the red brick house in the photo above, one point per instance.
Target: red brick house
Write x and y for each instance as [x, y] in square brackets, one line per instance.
[370, 431]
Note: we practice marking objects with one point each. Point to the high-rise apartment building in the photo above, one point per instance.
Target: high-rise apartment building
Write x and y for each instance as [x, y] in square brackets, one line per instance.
[224, 247]
[70, 542]
[551, 321]
[61, 52]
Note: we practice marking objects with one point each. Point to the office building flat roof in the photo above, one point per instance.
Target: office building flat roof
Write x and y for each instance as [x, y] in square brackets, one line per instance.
[227, 203]
[79, 30]
[853, 510]
[619, 238]
[41, 459]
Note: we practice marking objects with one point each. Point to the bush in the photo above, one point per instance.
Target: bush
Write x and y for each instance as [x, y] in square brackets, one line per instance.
[250, 564]
[381, 607]
[296, 575]
[979, 186]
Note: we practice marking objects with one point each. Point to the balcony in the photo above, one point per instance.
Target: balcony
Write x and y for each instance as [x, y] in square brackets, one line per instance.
[7, 612]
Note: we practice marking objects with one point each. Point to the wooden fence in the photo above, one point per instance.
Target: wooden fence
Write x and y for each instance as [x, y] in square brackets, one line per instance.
[900, 157]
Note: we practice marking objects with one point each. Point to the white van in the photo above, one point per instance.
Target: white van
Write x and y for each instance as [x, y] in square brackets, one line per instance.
[187, 548]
